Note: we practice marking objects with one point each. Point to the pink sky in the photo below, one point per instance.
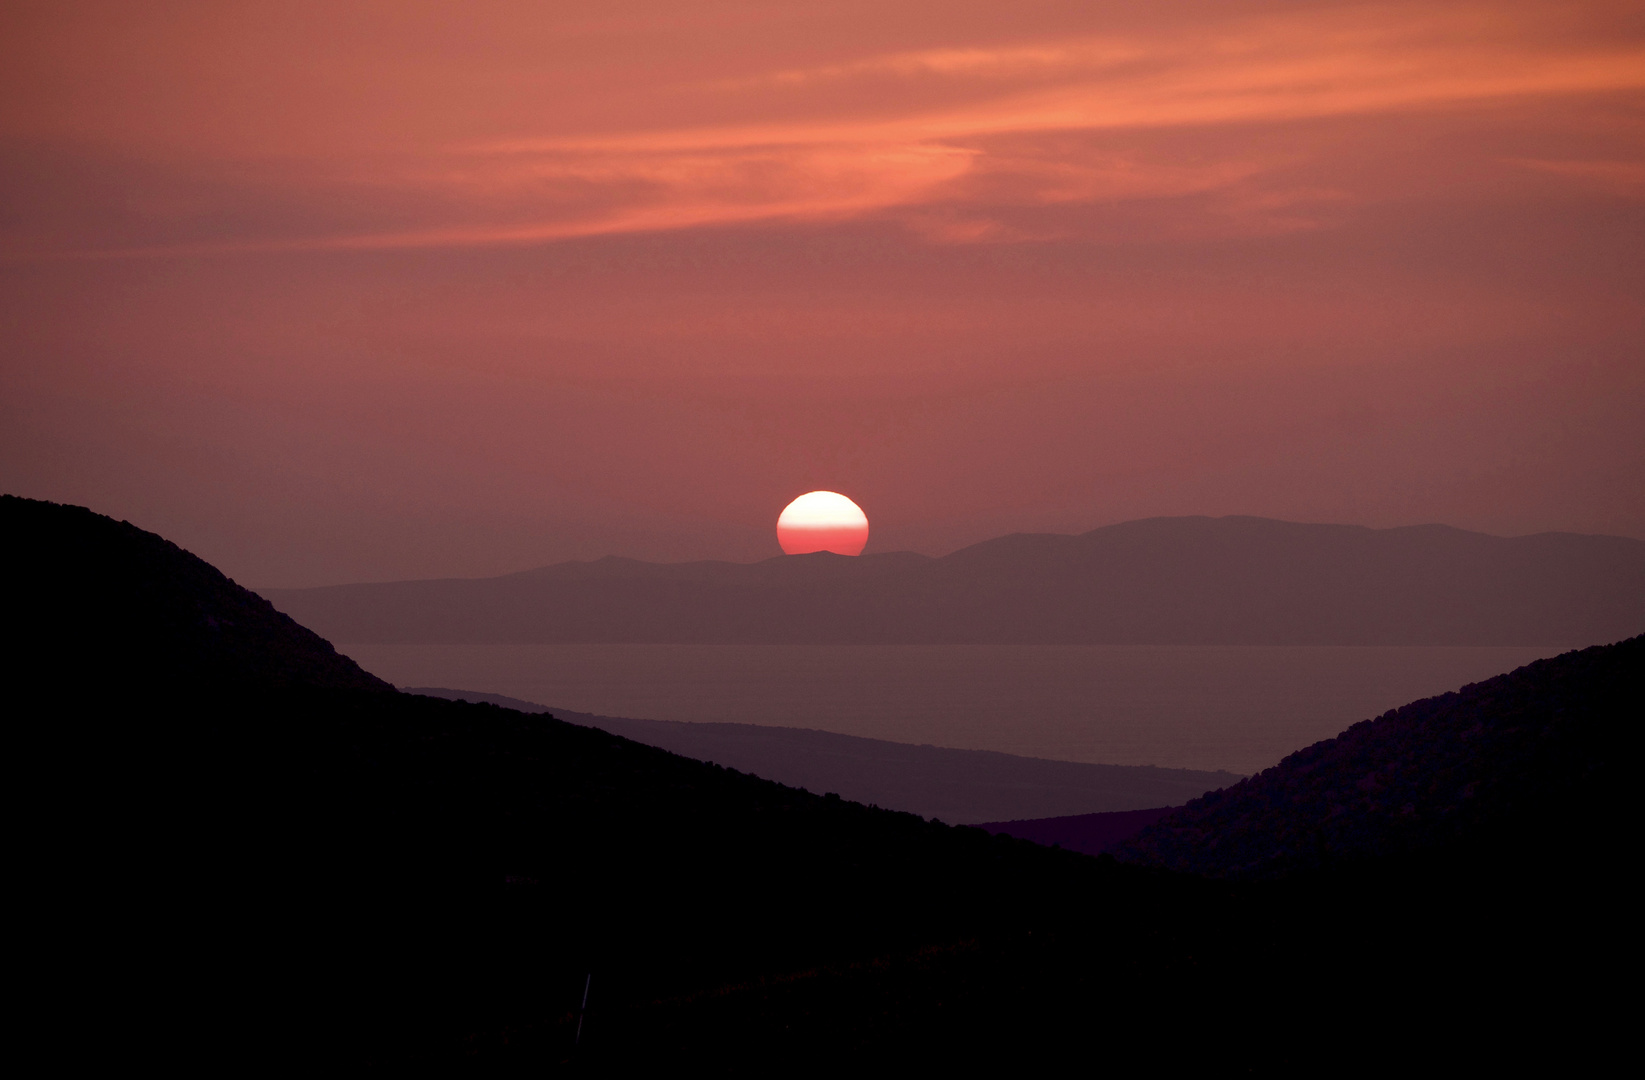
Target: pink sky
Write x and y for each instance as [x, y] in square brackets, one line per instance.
[352, 291]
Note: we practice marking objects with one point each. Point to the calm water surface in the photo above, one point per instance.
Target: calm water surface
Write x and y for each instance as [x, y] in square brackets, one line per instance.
[1240, 708]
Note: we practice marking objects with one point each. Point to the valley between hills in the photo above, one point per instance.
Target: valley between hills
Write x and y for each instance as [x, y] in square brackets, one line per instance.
[318, 867]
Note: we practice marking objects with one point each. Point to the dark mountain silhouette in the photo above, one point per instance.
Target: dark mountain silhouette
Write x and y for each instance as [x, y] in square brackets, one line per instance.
[1531, 756]
[1089, 834]
[112, 603]
[955, 786]
[1183, 581]
[253, 854]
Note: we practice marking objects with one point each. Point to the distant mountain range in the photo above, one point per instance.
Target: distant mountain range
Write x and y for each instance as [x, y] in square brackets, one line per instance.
[960, 787]
[1169, 581]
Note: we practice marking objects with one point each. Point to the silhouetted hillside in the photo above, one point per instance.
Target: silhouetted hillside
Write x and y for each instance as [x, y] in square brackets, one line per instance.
[956, 786]
[1536, 754]
[1178, 581]
[391, 876]
[1089, 834]
[100, 601]
[256, 854]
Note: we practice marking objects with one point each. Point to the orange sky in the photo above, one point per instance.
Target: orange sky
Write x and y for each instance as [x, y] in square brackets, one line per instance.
[350, 291]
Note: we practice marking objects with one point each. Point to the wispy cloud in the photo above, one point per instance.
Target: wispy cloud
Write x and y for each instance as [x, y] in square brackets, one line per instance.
[851, 138]
[1336, 64]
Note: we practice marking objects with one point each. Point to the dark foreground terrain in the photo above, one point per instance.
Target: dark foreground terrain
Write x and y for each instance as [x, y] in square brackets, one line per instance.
[1430, 776]
[1088, 834]
[241, 850]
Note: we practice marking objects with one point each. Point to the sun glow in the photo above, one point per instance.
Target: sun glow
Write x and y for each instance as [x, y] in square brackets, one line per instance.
[822, 521]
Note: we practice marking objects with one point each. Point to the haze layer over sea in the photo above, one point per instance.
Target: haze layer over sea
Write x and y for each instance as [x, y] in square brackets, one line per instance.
[1240, 708]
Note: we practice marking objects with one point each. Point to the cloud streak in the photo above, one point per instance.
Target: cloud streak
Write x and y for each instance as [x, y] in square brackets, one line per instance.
[947, 132]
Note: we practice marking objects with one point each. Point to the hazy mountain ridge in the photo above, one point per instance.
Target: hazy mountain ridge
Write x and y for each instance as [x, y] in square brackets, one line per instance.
[1512, 755]
[956, 786]
[1168, 581]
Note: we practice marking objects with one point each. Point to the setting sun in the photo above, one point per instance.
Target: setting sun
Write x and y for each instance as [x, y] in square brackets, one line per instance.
[822, 521]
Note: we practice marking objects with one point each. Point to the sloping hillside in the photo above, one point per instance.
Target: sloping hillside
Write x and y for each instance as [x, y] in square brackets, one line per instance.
[957, 786]
[322, 869]
[417, 870]
[96, 602]
[1164, 581]
[1533, 754]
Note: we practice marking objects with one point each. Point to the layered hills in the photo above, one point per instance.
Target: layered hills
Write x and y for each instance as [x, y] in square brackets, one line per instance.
[1169, 581]
[288, 861]
[328, 868]
[956, 786]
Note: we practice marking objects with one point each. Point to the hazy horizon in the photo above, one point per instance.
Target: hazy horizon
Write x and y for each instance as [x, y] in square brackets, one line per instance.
[366, 291]
[1239, 708]
[258, 587]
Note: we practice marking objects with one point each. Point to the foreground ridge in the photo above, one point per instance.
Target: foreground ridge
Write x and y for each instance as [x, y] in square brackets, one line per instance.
[326, 869]
[102, 603]
[960, 787]
[1505, 758]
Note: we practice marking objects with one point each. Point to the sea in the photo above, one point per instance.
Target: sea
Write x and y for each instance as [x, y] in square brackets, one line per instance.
[1239, 708]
